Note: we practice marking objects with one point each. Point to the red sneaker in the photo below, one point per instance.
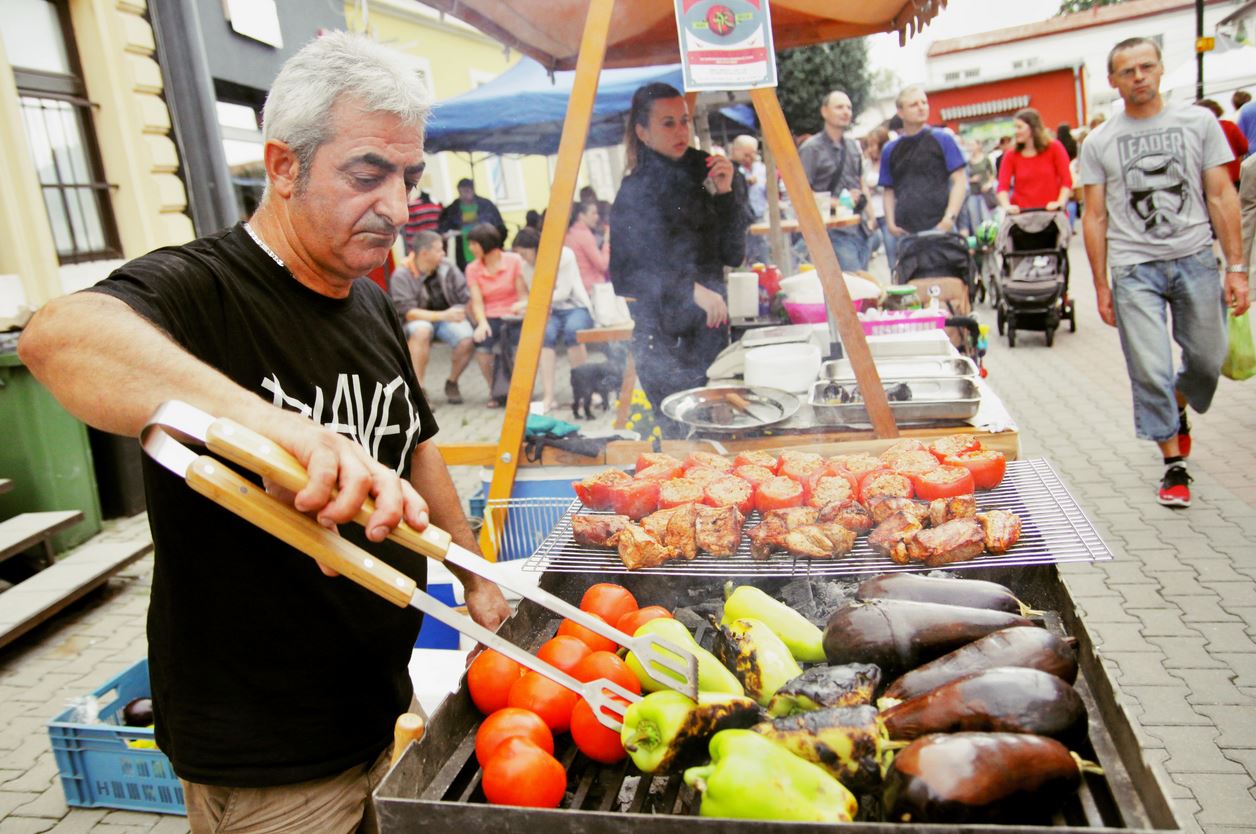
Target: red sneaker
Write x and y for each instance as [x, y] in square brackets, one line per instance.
[1175, 487]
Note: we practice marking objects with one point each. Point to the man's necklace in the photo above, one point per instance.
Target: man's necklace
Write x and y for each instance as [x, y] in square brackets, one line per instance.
[265, 248]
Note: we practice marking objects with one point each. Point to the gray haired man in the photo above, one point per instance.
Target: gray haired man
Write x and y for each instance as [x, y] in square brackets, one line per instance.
[276, 687]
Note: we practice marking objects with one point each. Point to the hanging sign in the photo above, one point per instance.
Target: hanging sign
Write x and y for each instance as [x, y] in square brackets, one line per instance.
[725, 44]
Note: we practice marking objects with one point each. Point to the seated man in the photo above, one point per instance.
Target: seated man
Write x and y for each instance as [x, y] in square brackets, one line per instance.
[430, 295]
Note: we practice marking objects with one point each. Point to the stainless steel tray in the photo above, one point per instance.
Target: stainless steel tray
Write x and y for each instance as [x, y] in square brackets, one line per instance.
[953, 398]
[730, 408]
[907, 367]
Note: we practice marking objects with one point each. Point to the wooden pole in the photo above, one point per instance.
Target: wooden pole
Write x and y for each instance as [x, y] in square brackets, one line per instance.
[777, 136]
[778, 251]
[563, 189]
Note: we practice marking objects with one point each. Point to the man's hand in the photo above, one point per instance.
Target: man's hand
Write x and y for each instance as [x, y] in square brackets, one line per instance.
[1053, 205]
[892, 227]
[712, 303]
[1012, 208]
[1107, 311]
[720, 169]
[1237, 294]
[457, 315]
[945, 225]
[485, 603]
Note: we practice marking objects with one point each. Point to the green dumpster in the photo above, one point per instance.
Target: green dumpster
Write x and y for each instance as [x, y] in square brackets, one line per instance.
[45, 454]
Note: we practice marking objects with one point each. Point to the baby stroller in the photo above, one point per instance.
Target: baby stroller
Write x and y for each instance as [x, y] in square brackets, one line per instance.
[1031, 286]
[940, 265]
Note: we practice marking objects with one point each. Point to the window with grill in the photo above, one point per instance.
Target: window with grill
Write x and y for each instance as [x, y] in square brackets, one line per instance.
[58, 121]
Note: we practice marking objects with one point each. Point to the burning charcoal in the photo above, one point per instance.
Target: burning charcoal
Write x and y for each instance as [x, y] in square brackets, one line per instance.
[627, 790]
[798, 596]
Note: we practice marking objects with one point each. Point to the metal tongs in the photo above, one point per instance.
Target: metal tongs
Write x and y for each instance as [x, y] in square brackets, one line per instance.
[175, 423]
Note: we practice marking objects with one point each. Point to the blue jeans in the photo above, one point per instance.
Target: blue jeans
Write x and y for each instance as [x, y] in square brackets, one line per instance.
[890, 242]
[1189, 288]
[851, 246]
[451, 333]
[564, 324]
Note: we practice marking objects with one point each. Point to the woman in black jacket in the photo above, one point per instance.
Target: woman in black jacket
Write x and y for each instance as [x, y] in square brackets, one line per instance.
[677, 222]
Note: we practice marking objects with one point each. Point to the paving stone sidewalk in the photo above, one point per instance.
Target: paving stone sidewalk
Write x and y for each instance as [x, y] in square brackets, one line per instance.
[1174, 614]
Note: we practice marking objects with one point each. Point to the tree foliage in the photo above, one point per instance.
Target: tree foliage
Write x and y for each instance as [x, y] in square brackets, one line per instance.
[1070, 6]
[808, 73]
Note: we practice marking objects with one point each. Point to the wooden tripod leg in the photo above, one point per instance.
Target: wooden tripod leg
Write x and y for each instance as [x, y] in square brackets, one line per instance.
[570, 147]
[777, 137]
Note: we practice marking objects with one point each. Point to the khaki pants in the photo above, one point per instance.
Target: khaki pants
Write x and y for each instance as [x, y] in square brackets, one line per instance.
[333, 804]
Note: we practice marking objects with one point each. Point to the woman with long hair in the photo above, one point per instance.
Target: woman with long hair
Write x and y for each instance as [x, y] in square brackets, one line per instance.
[874, 142]
[495, 282]
[1035, 169]
[677, 222]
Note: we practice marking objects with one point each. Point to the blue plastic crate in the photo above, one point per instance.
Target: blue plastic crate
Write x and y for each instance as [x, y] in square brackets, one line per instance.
[99, 770]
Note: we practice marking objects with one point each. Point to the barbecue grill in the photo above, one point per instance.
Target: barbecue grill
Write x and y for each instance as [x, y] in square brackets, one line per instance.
[1053, 529]
[435, 786]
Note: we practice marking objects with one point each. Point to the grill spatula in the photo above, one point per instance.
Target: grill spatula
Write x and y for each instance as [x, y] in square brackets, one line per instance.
[664, 661]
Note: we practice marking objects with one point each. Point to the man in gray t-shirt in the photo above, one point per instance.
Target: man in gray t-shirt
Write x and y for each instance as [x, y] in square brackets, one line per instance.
[1156, 189]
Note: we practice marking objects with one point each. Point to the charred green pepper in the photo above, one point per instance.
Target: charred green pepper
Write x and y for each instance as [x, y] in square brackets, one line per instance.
[712, 676]
[759, 659]
[666, 731]
[804, 639]
[850, 743]
[752, 778]
[821, 687]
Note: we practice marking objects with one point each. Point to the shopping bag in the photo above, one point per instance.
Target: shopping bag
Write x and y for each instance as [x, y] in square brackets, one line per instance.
[1240, 359]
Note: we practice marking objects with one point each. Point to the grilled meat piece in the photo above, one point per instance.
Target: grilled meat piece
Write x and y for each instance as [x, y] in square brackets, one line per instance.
[954, 541]
[849, 513]
[818, 541]
[942, 510]
[718, 529]
[898, 527]
[638, 549]
[680, 531]
[770, 534]
[1002, 529]
[656, 522]
[597, 530]
[883, 506]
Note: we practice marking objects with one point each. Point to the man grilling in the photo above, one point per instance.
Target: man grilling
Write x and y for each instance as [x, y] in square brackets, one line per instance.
[275, 687]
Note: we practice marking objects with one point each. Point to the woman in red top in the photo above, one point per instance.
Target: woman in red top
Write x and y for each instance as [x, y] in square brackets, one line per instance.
[495, 282]
[1036, 169]
[1233, 135]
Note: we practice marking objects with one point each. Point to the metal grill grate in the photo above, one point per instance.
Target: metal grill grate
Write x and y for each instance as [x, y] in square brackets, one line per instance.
[1053, 529]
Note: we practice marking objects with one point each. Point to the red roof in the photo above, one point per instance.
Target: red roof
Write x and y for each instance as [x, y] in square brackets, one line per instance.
[1097, 16]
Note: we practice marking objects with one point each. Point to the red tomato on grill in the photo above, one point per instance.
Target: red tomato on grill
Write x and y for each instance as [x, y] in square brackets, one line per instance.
[489, 678]
[659, 472]
[703, 475]
[635, 498]
[520, 773]
[592, 639]
[606, 665]
[910, 463]
[594, 492]
[547, 699]
[594, 739]
[987, 466]
[824, 489]
[954, 444]
[633, 620]
[857, 464]
[730, 491]
[943, 482]
[563, 652]
[709, 460]
[647, 459]
[608, 600]
[777, 494]
[754, 474]
[509, 723]
[885, 482]
[679, 491]
[798, 465]
[756, 458]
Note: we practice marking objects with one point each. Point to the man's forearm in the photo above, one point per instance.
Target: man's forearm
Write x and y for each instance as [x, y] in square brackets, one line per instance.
[111, 367]
[1223, 209]
[959, 190]
[1095, 234]
[419, 314]
[430, 477]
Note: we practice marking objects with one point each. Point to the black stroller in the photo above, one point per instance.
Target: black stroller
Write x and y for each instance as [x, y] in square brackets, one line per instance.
[1031, 286]
[941, 266]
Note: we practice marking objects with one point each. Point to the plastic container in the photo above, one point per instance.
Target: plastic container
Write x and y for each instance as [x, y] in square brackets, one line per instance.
[905, 321]
[790, 367]
[98, 768]
[812, 312]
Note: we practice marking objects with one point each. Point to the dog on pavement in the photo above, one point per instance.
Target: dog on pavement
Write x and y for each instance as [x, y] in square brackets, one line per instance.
[603, 378]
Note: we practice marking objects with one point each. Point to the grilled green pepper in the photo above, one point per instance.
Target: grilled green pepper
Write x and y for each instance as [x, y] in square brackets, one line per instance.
[759, 659]
[804, 638]
[850, 743]
[712, 676]
[821, 687]
[752, 778]
[666, 731]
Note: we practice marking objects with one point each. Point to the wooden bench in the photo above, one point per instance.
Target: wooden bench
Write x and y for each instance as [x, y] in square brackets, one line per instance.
[27, 530]
[34, 600]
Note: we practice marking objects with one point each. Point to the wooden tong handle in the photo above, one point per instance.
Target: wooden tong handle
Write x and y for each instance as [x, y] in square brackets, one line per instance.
[265, 457]
[228, 489]
[409, 727]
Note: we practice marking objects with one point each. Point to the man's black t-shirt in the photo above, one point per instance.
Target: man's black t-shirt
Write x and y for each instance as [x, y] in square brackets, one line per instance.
[918, 168]
[263, 670]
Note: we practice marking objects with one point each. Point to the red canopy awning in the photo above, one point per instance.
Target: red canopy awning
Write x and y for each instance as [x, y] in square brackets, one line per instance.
[643, 32]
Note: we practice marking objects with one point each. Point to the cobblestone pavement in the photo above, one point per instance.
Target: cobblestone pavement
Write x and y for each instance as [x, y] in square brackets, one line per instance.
[1174, 614]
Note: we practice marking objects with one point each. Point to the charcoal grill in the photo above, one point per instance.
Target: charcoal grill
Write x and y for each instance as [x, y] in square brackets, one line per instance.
[435, 786]
[1053, 529]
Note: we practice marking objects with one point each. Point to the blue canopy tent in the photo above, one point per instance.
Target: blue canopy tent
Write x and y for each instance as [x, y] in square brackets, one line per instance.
[522, 110]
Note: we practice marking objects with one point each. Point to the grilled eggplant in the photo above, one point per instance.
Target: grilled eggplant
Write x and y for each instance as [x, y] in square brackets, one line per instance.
[1003, 700]
[822, 687]
[1006, 778]
[898, 636]
[971, 593]
[1028, 647]
[848, 742]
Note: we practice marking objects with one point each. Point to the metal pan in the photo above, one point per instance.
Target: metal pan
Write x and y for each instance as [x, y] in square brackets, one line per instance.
[730, 408]
[907, 367]
[955, 398]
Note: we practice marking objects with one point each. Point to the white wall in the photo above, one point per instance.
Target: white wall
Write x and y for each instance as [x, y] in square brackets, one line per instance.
[1091, 45]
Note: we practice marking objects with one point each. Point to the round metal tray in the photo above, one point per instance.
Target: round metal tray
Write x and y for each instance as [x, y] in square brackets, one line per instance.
[730, 408]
